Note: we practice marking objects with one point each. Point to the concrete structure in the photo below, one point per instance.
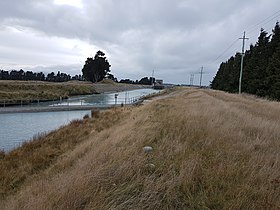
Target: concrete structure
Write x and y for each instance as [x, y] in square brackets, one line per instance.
[159, 84]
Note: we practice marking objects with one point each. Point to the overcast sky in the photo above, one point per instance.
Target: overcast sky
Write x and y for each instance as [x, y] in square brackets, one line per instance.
[173, 38]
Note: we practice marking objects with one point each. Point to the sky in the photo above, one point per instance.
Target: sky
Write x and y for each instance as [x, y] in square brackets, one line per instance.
[172, 38]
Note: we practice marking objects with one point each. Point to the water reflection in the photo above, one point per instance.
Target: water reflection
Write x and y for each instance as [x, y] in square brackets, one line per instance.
[107, 98]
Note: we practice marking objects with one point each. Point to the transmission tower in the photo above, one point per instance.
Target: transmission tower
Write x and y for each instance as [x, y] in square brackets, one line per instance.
[191, 79]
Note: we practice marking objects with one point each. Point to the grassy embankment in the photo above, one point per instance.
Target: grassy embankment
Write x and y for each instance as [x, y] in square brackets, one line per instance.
[212, 150]
[15, 91]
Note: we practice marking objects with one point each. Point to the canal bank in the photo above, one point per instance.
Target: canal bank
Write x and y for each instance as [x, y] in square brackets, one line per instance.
[46, 109]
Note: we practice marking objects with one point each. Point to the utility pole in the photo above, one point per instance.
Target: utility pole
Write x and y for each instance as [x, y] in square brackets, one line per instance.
[191, 79]
[153, 77]
[201, 76]
[242, 58]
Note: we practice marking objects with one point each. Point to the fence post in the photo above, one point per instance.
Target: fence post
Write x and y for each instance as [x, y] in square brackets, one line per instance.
[116, 98]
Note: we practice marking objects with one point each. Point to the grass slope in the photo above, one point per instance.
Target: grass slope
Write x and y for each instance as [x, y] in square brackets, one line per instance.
[38, 90]
[212, 150]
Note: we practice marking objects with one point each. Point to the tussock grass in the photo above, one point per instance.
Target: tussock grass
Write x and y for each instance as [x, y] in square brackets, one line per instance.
[37, 90]
[211, 150]
[45, 149]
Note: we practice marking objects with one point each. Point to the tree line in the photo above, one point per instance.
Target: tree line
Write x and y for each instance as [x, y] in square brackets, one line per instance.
[29, 75]
[261, 72]
[142, 81]
[95, 69]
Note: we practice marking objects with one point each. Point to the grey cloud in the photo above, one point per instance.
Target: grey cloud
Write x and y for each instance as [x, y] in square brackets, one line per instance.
[173, 37]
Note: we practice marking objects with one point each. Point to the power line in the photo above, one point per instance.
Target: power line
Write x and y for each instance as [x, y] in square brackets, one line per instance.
[263, 22]
[230, 46]
[250, 32]
[250, 29]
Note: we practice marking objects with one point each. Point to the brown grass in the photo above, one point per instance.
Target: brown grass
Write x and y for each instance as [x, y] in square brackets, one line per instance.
[212, 150]
[45, 149]
[13, 91]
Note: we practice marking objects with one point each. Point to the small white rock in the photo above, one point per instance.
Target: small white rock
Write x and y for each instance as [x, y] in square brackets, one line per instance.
[148, 149]
[150, 165]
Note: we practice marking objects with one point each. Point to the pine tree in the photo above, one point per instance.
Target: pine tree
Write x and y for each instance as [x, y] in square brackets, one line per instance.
[96, 69]
[261, 73]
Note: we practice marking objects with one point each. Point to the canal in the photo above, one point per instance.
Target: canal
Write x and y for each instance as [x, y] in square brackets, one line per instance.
[16, 128]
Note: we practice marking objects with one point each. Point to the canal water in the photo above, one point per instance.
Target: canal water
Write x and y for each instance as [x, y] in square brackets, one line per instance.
[16, 128]
[101, 100]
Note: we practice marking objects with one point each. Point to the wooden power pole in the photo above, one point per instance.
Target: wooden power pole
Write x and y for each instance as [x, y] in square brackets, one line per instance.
[241, 65]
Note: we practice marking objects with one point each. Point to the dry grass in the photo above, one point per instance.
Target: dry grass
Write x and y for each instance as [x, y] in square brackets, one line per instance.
[45, 149]
[37, 90]
[107, 85]
[108, 81]
[212, 150]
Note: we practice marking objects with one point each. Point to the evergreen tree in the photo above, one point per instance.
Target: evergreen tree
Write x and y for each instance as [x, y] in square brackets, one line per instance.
[96, 69]
[261, 73]
[273, 79]
[227, 77]
[275, 40]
